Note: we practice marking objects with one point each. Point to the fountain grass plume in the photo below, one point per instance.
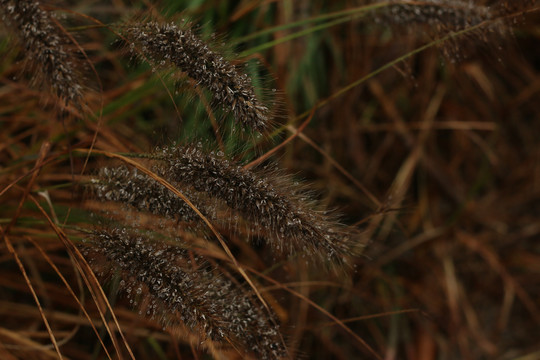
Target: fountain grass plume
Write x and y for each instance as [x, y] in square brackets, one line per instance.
[138, 190]
[48, 52]
[182, 291]
[439, 15]
[272, 204]
[168, 45]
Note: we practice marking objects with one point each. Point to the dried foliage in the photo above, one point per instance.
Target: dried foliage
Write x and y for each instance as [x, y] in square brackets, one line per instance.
[417, 120]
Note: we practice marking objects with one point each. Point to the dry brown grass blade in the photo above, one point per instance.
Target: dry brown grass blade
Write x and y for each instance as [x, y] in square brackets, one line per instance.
[36, 168]
[320, 309]
[6, 355]
[91, 282]
[45, 147]
[12, 251]
[374, 316]
[447, 125]
[68, 287]
[285, 142]
[493, 260]
[24, 342]
[402, 181]
[398, 251]
[340, 168]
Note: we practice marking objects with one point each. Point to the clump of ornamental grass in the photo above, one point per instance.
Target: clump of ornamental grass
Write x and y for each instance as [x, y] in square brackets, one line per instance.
[174, 47]
[48, 52]
[269, 204]
[283, 211]
[182, 291]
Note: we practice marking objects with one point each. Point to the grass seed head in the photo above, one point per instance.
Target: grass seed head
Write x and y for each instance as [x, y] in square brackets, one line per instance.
[167, 45]
[143, 193]
[46, 49]
[180, 290]
[441, 15]
[268, 201]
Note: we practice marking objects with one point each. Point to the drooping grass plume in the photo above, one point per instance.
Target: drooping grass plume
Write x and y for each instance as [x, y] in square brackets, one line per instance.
[444, 16]
[183, 292]
[479, 26]
[439, 15]
[267, 200]
[47, 51]
[167, 45]
[143, 193]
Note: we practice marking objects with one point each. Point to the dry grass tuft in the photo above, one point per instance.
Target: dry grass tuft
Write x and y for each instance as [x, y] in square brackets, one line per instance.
[115, 244]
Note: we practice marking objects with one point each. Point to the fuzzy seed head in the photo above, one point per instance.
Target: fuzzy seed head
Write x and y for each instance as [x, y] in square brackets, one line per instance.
[171, 45]
[442, 15]
[287, 217]
[183, 291]
[45, 49]
[138, 190]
